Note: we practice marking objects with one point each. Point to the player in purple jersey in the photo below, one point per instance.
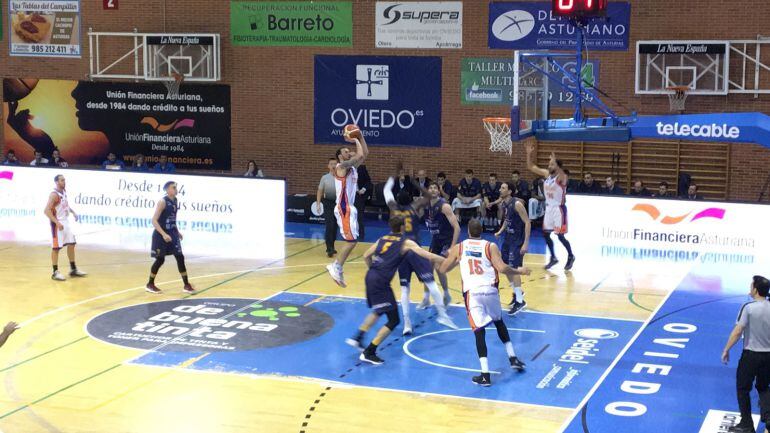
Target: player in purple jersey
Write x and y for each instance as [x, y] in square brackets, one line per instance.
[383, 259]
[515, 233]
[403, 206]
[445, 231]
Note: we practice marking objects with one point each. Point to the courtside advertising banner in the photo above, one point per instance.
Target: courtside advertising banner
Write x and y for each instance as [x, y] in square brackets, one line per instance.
[291, 23]
[85, 120]
[218, 216]
[419, 25]
[669, 231]
[723, 127]
[44, 28]
[396, 101]
[489, 80]
[533, 26]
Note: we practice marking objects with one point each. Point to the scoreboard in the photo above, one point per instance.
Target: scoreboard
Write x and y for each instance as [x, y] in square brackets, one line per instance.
[580, 8]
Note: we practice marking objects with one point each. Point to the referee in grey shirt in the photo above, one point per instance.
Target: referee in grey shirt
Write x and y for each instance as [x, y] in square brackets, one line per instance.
[754, 366]
[327, 195]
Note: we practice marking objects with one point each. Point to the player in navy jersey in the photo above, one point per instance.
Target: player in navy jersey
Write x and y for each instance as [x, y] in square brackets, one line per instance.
[445, 231]
[166, 238]
[383, 259]
[515, 233]
[403, 206]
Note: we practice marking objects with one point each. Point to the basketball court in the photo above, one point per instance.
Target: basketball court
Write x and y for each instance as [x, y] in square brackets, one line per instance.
[629, 340]
[84, 370]
[97, 376]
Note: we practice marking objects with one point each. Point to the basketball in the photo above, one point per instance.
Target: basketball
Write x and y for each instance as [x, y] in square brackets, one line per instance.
[15, 89]
[352, 131]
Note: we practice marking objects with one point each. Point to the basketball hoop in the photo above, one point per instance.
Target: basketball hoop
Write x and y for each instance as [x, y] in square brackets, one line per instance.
[173, 83]
[677, 97]
[499, 129]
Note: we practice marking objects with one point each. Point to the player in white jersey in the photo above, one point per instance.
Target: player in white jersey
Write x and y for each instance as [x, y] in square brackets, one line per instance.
[555, 218]
[346, 179]
[58, 211]
[480, 263]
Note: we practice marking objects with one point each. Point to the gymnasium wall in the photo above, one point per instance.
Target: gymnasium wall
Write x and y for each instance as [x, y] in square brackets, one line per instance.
[272, 88]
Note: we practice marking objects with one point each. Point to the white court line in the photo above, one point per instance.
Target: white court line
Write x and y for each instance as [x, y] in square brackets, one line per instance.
[345, 385]
[107, 295]
[583, 316]
[436, 364]
[609, 369]
[463, 306]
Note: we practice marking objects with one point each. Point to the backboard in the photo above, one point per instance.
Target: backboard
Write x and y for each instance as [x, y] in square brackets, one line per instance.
[531, 97]
[700, 65]
[547, 80]
[190, 55]
[155, 56]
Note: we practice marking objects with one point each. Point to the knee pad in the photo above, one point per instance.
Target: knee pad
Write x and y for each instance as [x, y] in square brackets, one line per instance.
[393, 319]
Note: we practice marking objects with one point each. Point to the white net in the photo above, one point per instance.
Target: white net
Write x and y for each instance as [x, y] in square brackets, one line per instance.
[173, 84]
[677, 98]
[499, 130]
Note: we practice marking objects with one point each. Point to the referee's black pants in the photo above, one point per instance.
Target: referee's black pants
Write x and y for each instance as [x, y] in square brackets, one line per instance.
[330, 235]
[753, 369]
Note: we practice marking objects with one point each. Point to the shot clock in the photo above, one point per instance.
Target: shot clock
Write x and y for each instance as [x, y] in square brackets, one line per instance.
[580, 8]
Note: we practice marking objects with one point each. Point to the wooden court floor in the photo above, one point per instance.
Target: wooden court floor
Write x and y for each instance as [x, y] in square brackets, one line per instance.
[55, 378]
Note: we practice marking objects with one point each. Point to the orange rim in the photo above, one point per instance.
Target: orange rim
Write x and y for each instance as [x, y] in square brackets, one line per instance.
[679, 89]
[498, 120]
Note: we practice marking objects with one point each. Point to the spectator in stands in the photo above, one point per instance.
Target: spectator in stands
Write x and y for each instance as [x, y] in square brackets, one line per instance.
[537, 202]
[520, 186]
[164, 165]
[327, 195]
[252, 170]
[588, 186]
[612, 188]
[692, 193]
[663, 191]
[57, 160]
[139, 164]
[404, 182]
[39, 161]
[468, 194]
[10, 158]
[639, 190]
[363, 195]
[422, 181]
[113, 163]
[445, 187]
[490, 192]
[572, 184]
